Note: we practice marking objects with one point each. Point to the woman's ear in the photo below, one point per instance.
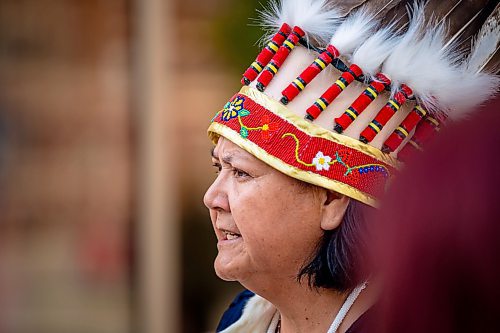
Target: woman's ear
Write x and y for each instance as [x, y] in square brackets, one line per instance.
[334, 208]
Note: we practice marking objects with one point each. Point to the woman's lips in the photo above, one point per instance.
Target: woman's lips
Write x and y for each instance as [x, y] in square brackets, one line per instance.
[230, 235]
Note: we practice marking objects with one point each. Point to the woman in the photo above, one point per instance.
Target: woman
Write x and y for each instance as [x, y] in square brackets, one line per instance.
[291, 197]
[269, 224]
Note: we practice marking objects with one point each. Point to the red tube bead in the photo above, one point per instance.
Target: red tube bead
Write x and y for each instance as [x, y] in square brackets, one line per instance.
[266, 54]
[362, 102]
[404, 129]
[334, 90]
[320, 63]
[279, 58]
[425, 131]
[383, 116]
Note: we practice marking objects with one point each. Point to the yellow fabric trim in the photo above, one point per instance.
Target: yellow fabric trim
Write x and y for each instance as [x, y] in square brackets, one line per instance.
[313, 130]
[320, 102]
[402, 130]
[375, 127]
[349, 111]
[373, 92]
[298, 83]
[216, 129]
[320, 63]
[272, 46]
[257, 66]
[394, 104]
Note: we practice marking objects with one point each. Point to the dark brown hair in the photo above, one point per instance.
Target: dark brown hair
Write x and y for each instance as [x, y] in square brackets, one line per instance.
[339, 260]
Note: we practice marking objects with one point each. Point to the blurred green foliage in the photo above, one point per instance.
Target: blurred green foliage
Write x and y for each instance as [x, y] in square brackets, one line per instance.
[235, 34]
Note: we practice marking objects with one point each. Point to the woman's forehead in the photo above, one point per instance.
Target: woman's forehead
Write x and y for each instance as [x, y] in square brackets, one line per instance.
[227, 150]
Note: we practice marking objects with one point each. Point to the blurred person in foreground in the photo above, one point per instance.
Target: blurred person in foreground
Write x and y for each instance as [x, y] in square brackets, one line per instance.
[439, 235]
[312, 139]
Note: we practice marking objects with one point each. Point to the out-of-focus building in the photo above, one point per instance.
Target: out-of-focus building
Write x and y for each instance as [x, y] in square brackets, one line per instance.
[68, 158]
[66, 170]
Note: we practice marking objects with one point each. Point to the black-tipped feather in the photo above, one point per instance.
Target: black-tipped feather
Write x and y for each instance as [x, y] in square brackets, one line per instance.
[485, 49]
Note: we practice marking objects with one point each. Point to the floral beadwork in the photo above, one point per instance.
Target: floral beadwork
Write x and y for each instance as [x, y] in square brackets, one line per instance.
[323, 162]
[267, 127]
[234, 109]
[216, 115]
[363, 170]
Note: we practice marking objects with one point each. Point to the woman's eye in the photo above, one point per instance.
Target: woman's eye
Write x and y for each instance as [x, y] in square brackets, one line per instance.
[240, 174]
[218, 167]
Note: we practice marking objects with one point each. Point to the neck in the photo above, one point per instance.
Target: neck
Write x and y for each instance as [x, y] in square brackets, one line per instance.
[303, 309]
[308, 311]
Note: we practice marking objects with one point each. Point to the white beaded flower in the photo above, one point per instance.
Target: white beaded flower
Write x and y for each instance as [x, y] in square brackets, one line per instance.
[321, 161]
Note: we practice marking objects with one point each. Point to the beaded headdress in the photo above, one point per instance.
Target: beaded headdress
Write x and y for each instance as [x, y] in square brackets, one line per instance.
[344, 92]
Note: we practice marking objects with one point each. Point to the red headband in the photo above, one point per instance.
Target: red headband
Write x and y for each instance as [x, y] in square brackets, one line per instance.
[300, 149]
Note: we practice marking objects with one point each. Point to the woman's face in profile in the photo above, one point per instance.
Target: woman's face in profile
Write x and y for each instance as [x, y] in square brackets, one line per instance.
[267, 224]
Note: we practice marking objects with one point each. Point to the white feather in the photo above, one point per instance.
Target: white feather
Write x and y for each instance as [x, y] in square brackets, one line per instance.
[370, 55]
[467, 92]
[353, 31]
[396, 65]
[436, 69]
[318, 18]
[423, 63]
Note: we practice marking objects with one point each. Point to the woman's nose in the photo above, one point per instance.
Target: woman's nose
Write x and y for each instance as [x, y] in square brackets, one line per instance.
[216, 196]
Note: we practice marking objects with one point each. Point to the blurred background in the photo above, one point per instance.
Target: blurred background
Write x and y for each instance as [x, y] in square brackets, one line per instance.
[104, 161]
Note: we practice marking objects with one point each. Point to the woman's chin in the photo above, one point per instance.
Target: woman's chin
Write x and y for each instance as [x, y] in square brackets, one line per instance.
[226, 278]
[224, 274]
[228, 270]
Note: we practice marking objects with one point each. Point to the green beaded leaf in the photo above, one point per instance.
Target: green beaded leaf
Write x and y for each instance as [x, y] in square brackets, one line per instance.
[244, 132]
[213, 119]
[243, 113]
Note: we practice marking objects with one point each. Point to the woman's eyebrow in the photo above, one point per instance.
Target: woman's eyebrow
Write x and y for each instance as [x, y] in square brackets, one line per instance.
[227, 158]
